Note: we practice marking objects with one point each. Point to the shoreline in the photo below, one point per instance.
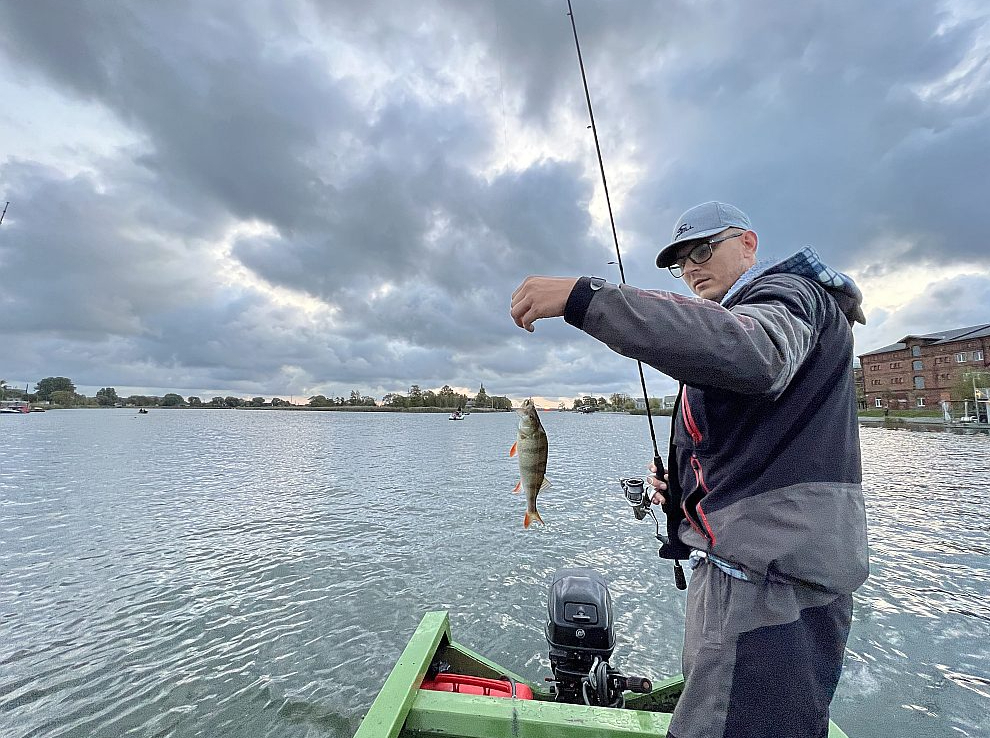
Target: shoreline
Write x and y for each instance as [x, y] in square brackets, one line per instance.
[923, 423]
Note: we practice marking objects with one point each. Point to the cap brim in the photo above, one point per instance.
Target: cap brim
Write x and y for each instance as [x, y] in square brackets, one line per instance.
[667, 255]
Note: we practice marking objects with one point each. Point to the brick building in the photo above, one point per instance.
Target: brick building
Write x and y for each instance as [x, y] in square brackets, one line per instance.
[919, 371]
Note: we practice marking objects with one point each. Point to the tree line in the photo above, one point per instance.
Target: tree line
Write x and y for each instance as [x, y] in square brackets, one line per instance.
[62, 391]
[446, 398]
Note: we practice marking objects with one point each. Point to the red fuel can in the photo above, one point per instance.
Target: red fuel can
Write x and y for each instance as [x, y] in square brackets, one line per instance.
[465, 684]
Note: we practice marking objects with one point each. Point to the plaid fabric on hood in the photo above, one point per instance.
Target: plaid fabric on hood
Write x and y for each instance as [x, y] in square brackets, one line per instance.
[806, 263]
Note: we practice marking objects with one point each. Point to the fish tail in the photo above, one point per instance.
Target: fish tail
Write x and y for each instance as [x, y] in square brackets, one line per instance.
[530, 516]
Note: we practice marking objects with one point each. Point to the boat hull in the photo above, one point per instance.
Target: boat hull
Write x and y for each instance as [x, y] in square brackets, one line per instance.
[403, 710]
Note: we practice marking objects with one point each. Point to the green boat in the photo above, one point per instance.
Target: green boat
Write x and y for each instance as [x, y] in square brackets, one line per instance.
[403, 709]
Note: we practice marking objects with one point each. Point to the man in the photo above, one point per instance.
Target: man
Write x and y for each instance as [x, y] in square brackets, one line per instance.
[765, 455]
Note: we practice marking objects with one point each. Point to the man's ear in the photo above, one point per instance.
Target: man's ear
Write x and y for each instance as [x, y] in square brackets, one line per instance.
[750, 241]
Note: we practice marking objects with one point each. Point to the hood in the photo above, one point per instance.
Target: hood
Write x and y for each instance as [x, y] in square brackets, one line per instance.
[806, 263]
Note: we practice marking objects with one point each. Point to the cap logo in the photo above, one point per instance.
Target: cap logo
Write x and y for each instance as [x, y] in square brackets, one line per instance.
[685, 227]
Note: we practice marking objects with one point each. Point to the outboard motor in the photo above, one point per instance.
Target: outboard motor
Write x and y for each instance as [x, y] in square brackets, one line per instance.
[581, 637]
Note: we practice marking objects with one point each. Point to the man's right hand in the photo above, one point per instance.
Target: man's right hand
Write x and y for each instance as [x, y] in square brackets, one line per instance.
[659, 487]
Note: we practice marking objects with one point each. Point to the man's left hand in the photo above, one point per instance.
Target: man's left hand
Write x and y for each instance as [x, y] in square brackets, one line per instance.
[540, 297]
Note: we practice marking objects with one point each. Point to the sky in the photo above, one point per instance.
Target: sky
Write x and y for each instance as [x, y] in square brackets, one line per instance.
[289, 198]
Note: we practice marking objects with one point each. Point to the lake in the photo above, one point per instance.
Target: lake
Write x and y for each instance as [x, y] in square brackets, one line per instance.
[220, 572]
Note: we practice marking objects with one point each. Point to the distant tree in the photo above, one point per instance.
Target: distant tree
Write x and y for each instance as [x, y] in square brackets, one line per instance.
[355, 398]
[172, 400]
[501, 403]
[194, 401]
[430, 399]
[481, 399]
[446, 397]
[48, 385]
[65, 398]
[231, 401]
[962, 388]
[393, 399]
[3, 389]
[278, 402]
[141, 400]
[320, 401]
[257, 401]
[415, 398]
[368, 401]
[107, 397]
[217, 402]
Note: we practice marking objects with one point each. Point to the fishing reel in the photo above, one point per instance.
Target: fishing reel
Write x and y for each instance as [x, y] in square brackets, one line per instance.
[639, 499]
[635, 493]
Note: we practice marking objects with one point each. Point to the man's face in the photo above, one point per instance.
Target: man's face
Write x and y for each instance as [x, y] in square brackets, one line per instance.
[729, 259]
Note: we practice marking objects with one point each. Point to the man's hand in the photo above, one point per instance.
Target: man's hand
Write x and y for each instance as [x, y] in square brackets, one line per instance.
[658, 487]
[540, 297]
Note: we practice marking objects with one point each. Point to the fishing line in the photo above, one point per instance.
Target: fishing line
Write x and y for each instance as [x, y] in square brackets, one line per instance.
[657, 461]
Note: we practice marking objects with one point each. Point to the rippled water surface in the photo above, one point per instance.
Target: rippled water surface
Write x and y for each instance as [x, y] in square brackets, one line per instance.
[207, 573]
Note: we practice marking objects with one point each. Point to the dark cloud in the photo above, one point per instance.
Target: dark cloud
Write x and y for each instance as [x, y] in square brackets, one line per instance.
[309, 197]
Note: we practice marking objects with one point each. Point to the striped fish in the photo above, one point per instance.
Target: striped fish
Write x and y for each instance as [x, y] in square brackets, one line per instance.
[532, 449]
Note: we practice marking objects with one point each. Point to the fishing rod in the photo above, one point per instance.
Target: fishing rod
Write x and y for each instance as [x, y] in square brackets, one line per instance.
[671, 506]
[4, 211]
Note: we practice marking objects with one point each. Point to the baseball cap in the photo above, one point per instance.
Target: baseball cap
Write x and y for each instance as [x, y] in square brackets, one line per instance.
[702, 221]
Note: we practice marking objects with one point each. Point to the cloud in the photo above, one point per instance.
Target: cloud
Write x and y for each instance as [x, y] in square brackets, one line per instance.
[316, 197]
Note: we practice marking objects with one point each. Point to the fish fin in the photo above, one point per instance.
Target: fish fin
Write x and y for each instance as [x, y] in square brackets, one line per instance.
[530, 517]
[546, 483]
[512, 451]
[518, 487]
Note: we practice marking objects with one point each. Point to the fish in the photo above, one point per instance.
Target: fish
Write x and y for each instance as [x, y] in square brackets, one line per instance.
[532, 448]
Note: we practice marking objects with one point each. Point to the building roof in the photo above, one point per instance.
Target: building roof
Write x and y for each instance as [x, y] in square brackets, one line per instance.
[931, 339]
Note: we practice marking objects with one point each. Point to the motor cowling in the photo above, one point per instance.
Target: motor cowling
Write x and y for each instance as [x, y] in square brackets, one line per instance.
[581, 635]
[579, 628]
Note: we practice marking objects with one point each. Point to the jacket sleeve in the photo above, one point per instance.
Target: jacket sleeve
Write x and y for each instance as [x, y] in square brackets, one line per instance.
[754, 347]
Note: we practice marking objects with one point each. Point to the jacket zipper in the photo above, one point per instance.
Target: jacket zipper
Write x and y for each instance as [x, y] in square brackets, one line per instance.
[699, 473]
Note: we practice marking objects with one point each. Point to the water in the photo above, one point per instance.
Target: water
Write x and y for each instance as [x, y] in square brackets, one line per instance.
[208, 573]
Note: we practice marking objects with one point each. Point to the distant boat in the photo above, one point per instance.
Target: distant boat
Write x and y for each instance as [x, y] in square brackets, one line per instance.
[143, 411]
[14, 407]
[456, 415]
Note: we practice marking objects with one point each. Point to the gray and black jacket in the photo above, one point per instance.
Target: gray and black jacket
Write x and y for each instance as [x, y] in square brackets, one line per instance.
[766, 440]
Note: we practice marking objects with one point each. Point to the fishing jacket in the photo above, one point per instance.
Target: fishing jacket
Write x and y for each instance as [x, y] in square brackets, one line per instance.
[765, 443]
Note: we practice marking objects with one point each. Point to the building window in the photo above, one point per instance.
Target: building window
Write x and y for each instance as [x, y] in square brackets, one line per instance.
[921, 402]
[895, 365]
[977, 356]
[878, 402]
[960, 357]
[916, 351]
[874, 381]
[916, 365]
[875, 368]
[919, 382]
